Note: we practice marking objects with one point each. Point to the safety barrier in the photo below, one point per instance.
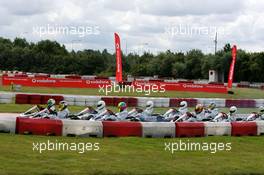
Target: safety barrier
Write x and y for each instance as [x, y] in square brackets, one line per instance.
[109, 101]
[259, 102]
[158, 102]
[22, 99]
[36, 98]
[121, 129]
[70, 99]
[244, 128]
[260, 125]
[217, 128]
[241, 103]
[6, 98]
[189, 129]
[38, 126]
[8, 123]
[80, 100]
[220, 103]
[175, 102]
[130, 101]
[158, 130]
[82, 128]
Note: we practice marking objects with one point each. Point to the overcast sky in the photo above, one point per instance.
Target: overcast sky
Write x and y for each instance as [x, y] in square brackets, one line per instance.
[143, 25]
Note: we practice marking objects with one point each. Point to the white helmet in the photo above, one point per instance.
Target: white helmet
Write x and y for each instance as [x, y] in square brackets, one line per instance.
[233, 109]
[183, 104]
[150, 104]
[261, 109]
[100, 105]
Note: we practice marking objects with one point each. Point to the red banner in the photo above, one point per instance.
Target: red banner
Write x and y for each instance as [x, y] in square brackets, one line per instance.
[79, 83]
[118, 59]
[232, 67]
[172, 86]
[55, 82]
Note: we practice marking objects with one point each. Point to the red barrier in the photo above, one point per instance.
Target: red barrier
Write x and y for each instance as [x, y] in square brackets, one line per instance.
[109, 101]
[55, 82]
[57, 98]
[72, 82]
[122, 129]
[244, 129]
[241, 103]
[116, 100]
[189, 129]
[175, 102]
[132, 101]
[22, 99]
[38, 126]
[34, 99]
[172, 86]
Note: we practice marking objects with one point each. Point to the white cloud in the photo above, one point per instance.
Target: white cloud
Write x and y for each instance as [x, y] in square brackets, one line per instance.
[139, 21]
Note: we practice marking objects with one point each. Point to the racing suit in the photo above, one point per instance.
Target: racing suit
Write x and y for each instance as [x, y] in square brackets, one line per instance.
[122, 115]
[63, 114]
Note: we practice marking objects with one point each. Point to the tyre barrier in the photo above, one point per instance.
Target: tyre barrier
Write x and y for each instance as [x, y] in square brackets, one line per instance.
[8, 123]
[165, 129]
[82, 128]
[122, 129]
[6, 98]
[12, 124]
[80, 100]
[158, 102]
[36, 98]
[217, 128]
[220, 103]
[190, 129]
[260, 126]
[38, 126]
[244, 129]
[175, 102]
[240, 103]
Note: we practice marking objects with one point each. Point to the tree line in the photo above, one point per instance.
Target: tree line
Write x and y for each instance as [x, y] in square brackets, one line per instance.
[51, 57]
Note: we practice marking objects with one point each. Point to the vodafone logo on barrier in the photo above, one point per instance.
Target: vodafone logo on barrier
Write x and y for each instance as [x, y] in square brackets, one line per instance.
[97, 82]
[43, 81]
[192, 86]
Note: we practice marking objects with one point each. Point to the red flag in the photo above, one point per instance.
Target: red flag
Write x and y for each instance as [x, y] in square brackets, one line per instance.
[118, 59]
[232, 67]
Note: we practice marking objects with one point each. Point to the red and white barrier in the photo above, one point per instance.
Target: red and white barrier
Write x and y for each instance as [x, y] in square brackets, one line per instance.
[13, 124]
[158, 129]
[82, 128]
[260, 126]
[8, 122]
[190, 129]
[217, 128]
[122, 129]
[84, 100]
[38, 126]
[6, 98]
[158, 102]
[244, 129]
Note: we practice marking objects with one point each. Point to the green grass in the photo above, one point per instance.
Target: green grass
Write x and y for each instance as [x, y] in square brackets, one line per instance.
[130, 156]
[243, 93]
[19, 108]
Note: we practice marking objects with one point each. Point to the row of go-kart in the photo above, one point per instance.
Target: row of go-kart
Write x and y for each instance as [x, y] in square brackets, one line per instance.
[101, 113]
